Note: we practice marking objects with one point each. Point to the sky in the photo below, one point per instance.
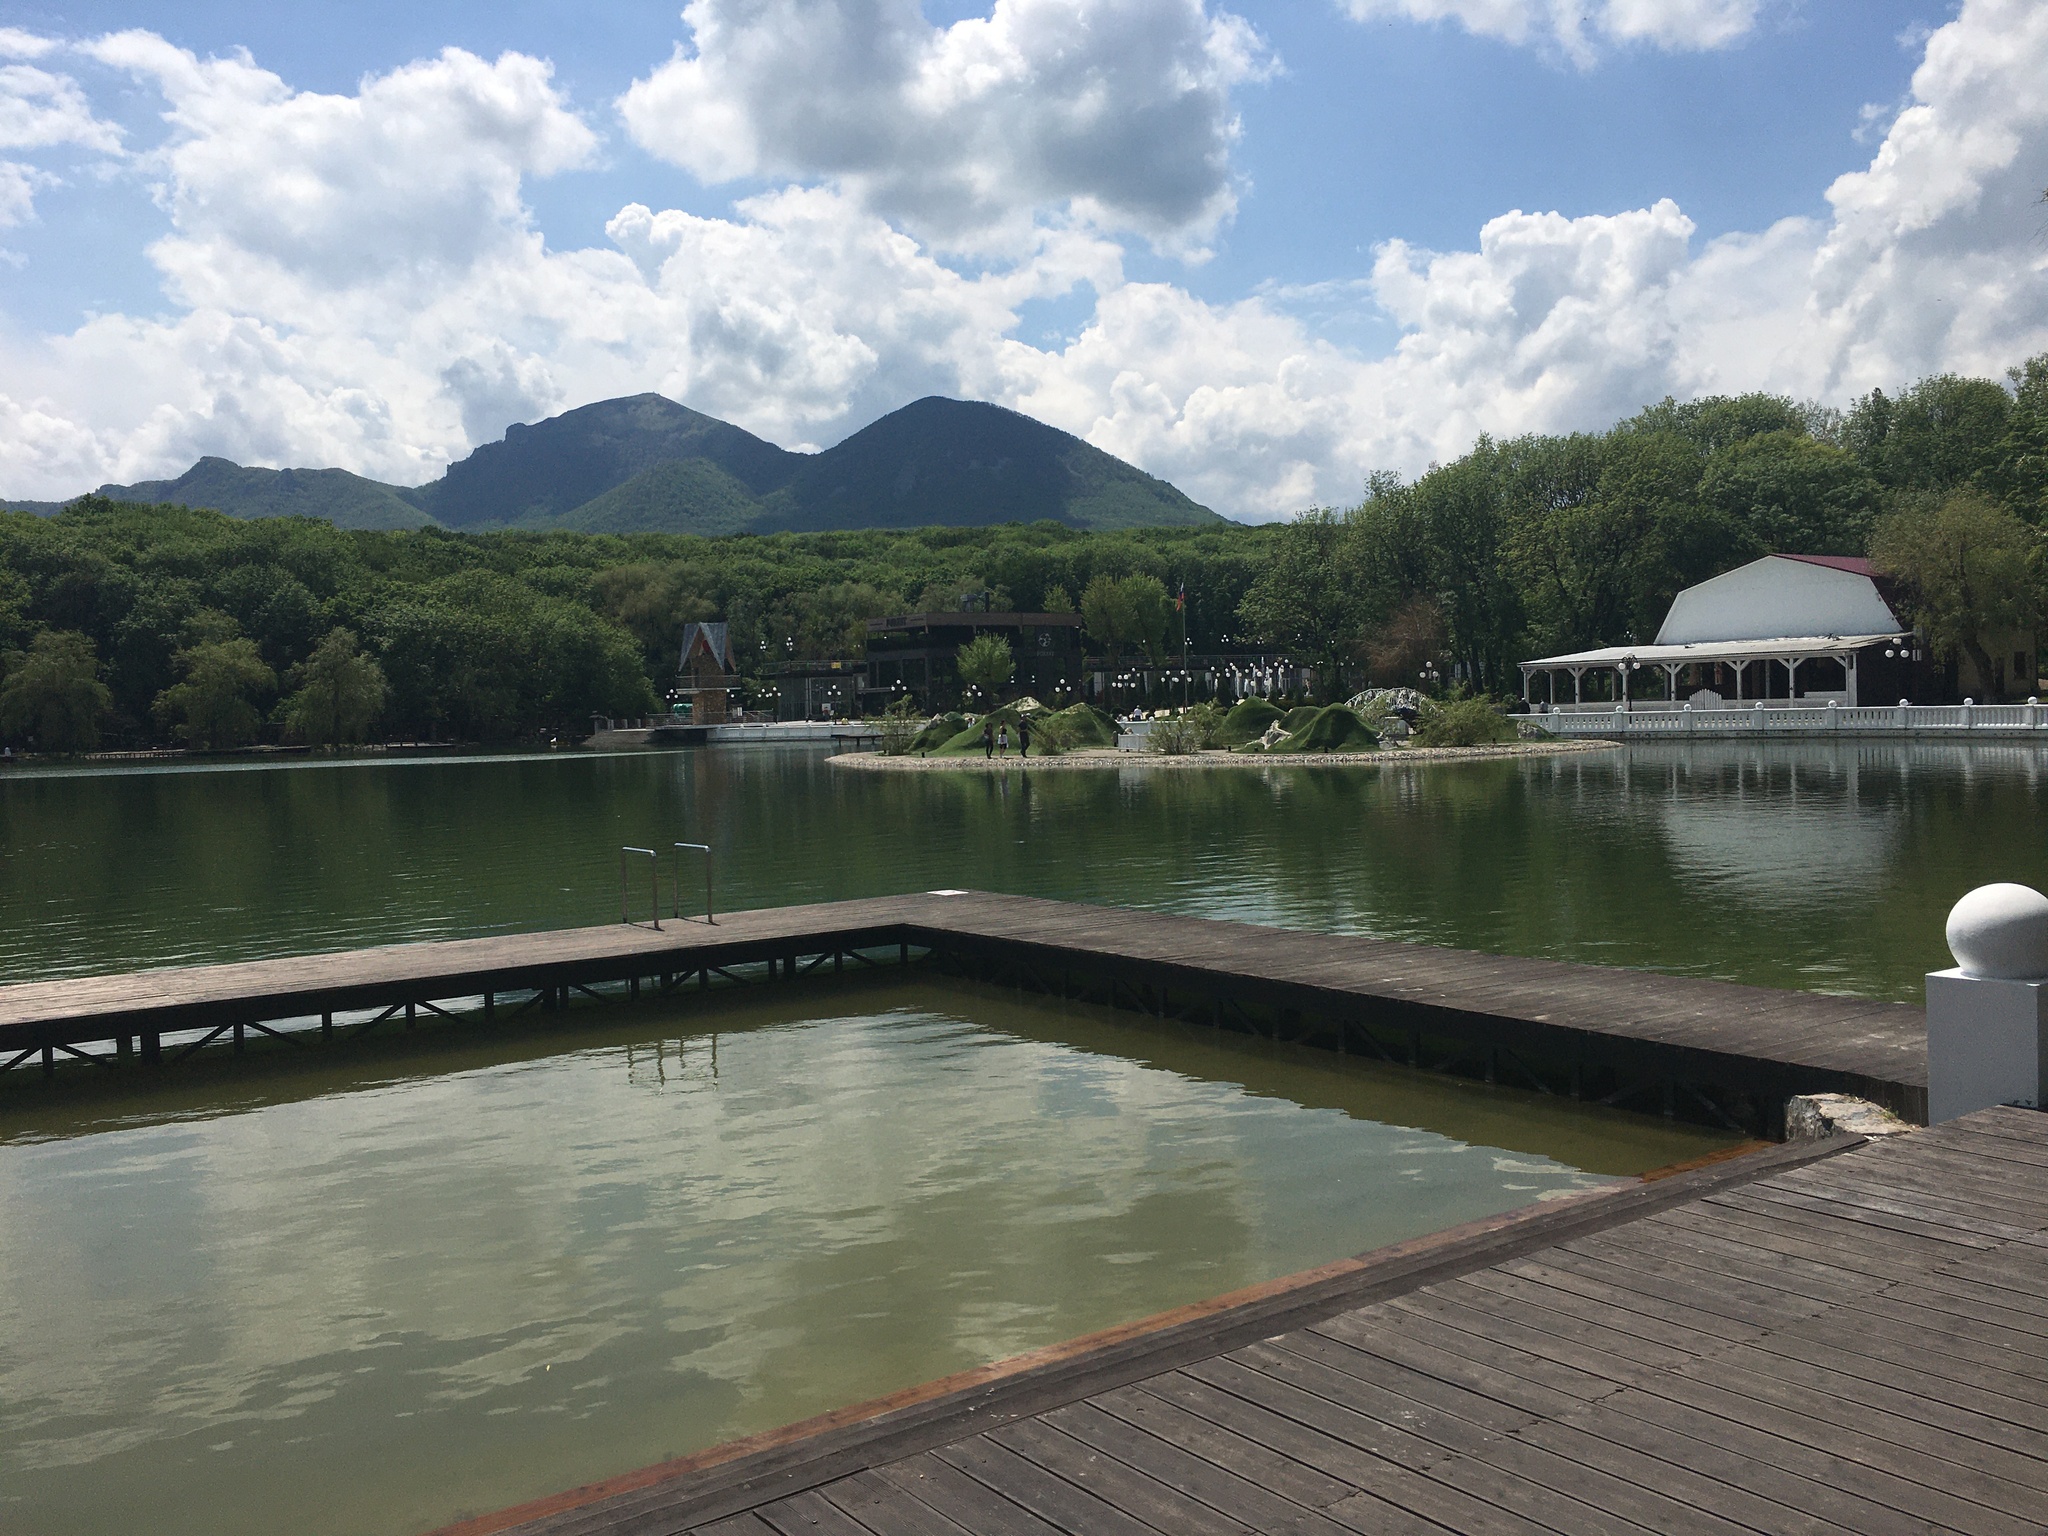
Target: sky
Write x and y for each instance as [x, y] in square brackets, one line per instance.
[1260, 249]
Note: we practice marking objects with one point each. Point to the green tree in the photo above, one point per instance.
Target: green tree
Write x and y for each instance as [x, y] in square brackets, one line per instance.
[52, 696]
[2020, 480]
[1942, 434]
[1972, 571]
[1108, 614]
[339, 692]
[986, 662]
[214, 707]
[1306, 599]
[1792, 495]
[1462, 516]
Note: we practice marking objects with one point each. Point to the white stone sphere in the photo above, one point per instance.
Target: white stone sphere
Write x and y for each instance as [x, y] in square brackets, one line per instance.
[2000, 932]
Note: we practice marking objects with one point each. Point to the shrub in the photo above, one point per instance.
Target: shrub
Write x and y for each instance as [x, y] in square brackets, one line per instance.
[1174, 735]
[899, 727]
[1246, 721]
[1461, 723]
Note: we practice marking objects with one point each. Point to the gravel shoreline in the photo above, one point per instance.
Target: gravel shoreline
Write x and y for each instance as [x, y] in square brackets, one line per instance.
[1107, 757]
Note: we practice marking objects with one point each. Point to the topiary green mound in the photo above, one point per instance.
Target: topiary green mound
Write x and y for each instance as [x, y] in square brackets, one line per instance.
[938, 732]
[1298, 718]
[1085, 726]
[1333, 729]
[1246, 721]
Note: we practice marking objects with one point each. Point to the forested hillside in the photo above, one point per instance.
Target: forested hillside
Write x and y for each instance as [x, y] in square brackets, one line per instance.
[123, 624]
[646, 464]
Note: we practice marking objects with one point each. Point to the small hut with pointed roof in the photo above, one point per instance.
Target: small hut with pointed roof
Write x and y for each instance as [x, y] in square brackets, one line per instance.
[708, 672]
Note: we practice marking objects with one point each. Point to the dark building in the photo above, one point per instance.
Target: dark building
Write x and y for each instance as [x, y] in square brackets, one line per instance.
[815, 690]
[914, 653]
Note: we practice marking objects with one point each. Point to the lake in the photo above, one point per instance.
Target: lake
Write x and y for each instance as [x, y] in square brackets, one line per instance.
[1826, 866]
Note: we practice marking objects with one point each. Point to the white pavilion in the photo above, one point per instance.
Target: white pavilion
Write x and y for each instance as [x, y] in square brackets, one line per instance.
[1786, 629]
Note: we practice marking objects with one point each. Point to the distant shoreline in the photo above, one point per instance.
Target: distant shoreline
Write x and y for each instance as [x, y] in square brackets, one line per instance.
[1110, 757]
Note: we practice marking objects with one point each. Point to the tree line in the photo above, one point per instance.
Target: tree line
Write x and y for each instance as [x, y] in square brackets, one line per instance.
[125, 625]
[1541, 545]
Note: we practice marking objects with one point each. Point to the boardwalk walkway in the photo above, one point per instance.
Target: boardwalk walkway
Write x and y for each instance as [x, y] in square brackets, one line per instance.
[1595, 1032]
[1816, 1343]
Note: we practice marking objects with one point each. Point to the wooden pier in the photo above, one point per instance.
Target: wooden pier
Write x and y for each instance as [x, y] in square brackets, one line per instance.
[1839, 1338]
[1709, 1050]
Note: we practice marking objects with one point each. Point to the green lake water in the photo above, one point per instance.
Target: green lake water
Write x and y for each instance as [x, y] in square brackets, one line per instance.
[369, 1290]
[370, 1295]
[1829, 867]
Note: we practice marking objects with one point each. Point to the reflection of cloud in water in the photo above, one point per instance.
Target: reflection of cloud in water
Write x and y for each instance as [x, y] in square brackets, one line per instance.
[1806, 820]
[556, 1268]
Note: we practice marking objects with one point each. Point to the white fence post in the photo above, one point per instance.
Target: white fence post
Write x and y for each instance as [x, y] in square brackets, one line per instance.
[1987, 1019]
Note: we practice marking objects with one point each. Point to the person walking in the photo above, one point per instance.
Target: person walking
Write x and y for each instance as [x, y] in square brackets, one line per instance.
[1023, 735]
[988, 739]
[1003, 740]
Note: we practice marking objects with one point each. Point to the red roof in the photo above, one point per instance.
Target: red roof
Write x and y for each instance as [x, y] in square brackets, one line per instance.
[1855, 565]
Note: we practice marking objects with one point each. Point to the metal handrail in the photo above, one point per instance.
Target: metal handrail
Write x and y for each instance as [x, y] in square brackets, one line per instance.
[653, 884]
[705, 849]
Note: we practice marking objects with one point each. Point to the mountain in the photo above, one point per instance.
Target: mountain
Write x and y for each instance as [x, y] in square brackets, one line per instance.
[538, 474]
[969, 464]
[644, 464]
[346, 500]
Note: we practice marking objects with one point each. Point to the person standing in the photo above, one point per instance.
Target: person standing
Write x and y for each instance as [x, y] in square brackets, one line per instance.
[1023, 735]
[988, 739]
[1003, 739]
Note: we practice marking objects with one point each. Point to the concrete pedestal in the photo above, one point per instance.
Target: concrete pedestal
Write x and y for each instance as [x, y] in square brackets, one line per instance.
[1987, 1041]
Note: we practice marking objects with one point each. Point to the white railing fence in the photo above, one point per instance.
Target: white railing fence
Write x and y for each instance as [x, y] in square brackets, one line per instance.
[1778, 719]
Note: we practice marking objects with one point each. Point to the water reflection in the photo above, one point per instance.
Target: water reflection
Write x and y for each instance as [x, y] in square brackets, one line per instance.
[466, 1273]
[1790, 864]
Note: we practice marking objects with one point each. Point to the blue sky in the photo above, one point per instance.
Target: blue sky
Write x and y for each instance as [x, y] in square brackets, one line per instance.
[1259, 249]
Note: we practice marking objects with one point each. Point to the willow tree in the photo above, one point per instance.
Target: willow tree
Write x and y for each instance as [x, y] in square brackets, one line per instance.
[339, 693]
[1972, 571]
[52, 696]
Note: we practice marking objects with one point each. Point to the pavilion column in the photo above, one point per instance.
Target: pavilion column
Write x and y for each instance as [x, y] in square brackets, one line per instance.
[1671, 683]
[1578, 685]
[1791, 678]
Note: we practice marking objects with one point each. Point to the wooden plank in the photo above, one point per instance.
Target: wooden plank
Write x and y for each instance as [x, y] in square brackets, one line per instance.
[968, 1504]
[810, 1514]
[1716, 1022]
[1205, 1479]
[1051, 1497]
[887, 1509]
[1155, 1503]
[1932, 1455]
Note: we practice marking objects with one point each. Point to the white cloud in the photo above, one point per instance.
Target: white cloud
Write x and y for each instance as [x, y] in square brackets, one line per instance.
[278, 197]
[1116, 111]
[1576, 27]
[17, 44]
[40, 110]
[18, 185]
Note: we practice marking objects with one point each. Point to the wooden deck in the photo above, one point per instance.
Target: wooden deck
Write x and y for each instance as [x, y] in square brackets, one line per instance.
[1680, 1043]
[1852, 1338]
